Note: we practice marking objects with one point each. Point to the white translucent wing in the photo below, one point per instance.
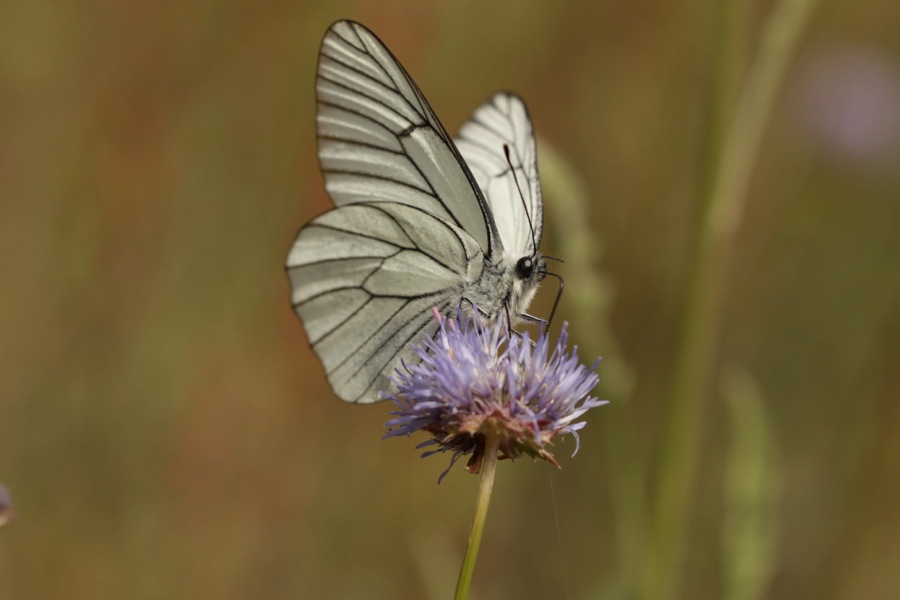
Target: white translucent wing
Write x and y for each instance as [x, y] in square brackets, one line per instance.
[380, 141]
[364, 280]
[503, 121]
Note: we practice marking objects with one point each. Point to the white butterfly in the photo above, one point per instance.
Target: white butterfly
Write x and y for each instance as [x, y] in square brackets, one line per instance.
[419, 222]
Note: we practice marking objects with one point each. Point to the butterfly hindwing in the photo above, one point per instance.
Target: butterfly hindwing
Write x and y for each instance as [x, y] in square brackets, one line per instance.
[365, 278]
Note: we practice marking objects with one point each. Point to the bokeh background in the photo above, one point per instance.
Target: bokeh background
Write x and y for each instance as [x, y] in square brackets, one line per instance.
[166, 432]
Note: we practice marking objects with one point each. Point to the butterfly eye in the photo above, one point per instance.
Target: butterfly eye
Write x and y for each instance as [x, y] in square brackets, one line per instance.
[524, 267]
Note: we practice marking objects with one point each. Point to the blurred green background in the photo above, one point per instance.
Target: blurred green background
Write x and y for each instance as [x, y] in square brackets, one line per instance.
[167, 433]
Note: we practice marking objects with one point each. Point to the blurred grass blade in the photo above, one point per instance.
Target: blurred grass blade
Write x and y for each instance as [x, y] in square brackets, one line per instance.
[579, 246]
[590, 299]
[719, 216]
[752, 487]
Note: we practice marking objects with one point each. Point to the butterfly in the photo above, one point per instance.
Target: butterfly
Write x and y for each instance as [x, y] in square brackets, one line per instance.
[421, 222]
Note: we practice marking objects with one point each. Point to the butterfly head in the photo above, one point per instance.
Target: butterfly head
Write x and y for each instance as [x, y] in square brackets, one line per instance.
[528, 272]
[531, 267]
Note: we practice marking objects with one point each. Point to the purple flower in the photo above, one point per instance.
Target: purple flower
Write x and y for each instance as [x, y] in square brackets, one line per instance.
[476, 377]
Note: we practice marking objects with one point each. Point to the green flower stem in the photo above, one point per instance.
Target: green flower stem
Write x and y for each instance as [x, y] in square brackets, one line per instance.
[728, 171]
[485, 487]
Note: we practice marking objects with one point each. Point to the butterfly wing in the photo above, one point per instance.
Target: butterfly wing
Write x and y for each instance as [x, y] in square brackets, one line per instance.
[380, 141]
[364, 279]
[504, 121]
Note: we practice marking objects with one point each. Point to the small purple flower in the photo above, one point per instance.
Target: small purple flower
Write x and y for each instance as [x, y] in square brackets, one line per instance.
[476, 377]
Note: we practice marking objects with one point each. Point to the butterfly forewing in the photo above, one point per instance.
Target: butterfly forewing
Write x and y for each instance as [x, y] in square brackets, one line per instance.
[371, 114]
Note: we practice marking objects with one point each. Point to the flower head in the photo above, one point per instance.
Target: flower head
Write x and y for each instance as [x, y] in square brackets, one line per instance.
[476, 377]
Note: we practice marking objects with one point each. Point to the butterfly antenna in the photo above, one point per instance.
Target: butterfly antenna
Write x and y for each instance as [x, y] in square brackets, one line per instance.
[521, 196]
[559, 291]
